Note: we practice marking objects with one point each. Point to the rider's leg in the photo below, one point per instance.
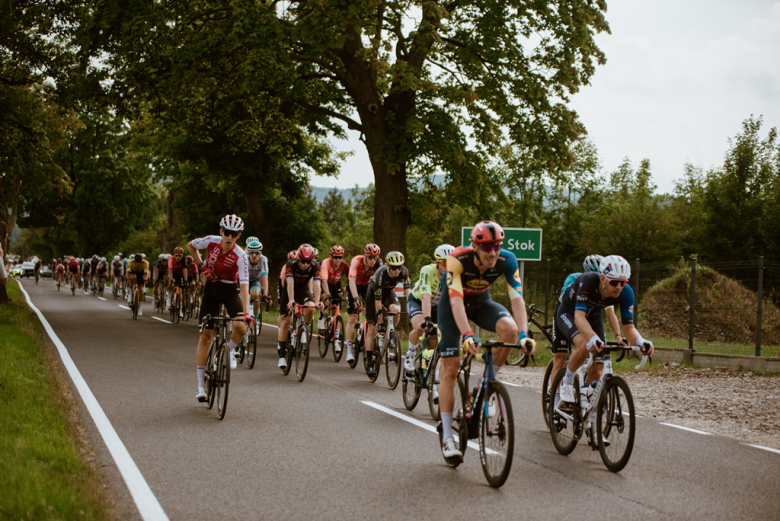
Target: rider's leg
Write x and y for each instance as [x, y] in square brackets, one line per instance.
[506, 329]
[449, 374]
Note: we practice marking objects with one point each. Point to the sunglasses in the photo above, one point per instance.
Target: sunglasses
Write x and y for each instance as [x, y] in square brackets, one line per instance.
[254, 254]
[178, 256]
[229, 233]
[302, 261]
[394, 268]
[337, 258]
[371, 257]
[493, 246]
[618, 283]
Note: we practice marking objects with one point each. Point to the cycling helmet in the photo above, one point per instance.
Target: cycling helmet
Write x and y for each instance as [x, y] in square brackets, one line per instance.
[615, 267]
[94, 257]
[188, 259]
[395, 258]
[178, 249]
[232, 222]
[251, 240]
[254, 245]
[116, 257]
[306, 252]
[336, 251]
[443, 251]
[140, 256]
[120, 254]
[592, 263]
[487, 231]
[372, 249]
[132, 256]
[103, 259]
[292, 255]
[162, 256]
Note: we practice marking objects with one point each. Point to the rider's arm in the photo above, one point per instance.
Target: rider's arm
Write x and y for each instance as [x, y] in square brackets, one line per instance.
[613, 321]
[515, 288]
[244, 291]
[426, 304]
[264, 279]
[195, 253]
[455, 292]
[352, 276]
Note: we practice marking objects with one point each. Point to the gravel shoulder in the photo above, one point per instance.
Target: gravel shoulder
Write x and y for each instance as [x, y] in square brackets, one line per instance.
[740, 405]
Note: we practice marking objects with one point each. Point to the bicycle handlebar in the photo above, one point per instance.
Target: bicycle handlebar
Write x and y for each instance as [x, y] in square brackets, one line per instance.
[614, 346]
[208, 318]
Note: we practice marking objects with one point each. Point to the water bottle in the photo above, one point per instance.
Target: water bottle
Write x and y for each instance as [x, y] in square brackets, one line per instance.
[584, 396]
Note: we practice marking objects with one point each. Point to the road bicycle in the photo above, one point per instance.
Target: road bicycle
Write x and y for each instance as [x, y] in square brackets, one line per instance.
[424, 376]
[298, 340]
[250, 350]
[611, 399]
[359, 339]
[36, 278]
[135, 304]
[333, 330]
[218, 362]
[387, 348]
[484, 413]
[521, 358]
[115, 288]
[175, 309]
[73, 286]
[101, 285]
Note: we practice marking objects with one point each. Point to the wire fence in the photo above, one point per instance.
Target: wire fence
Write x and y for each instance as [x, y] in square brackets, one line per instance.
[725, 316]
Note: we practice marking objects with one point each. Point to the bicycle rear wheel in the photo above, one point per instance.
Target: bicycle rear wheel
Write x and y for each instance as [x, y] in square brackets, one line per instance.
[616, 424]
[393, 359]
[302, 352]
[460, 429]
[433, 405]
[565, 432]
[546, 394]
[223, 381]
[251, 348]
[211, 373]
[323, 339]
[411, 386]
[496, 434]
[338, 338]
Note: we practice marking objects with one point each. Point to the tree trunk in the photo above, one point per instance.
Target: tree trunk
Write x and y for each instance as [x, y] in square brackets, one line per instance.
[170, 236]
[256, 218]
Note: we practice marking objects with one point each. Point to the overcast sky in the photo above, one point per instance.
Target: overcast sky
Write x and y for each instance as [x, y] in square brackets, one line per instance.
[680, 78]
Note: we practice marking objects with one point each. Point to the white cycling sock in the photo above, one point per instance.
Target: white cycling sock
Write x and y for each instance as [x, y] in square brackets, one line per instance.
[201, 376]
[446, 425]
[412, 348]
[436, 375]
[496, 370]
[568, 378]
[232, 345]
[349, 347]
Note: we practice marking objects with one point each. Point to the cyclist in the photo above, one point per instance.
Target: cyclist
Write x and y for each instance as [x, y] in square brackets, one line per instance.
[160, 271]
[560, 347]
[580, 312]
[466, 296]
[86, 266]
[117, 271]
[333, 270]
[297, 274]
[73, 270]
[361, 269]
[227, 282]
[193, 276]
[137, 274]
[102, 272]
[59, 272]
[178, 274]
[280, 283]
[382, 287]
[422, 303]
[258, 273]
[37, 269]
[93, 265]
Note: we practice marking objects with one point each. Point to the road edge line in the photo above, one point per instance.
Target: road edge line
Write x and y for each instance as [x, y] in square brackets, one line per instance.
[162, 320]
[770, 449]
[686, 428]
[148, 505]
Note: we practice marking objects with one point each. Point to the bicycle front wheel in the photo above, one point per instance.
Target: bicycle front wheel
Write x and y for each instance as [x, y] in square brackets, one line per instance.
[433, 383]
[302, 352]
[211, 374]
[616, 424]
[223, 381]
[496, 434]
[323, 339]
[338, 338]
[393, 359]
[411, 386]
[251, 348]
[566, 428]
[546, 394]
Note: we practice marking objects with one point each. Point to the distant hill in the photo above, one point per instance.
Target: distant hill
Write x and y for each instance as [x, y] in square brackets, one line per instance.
[320, 192]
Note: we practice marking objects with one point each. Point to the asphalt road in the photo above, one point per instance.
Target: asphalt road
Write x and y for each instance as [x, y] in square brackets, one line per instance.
[317, 450]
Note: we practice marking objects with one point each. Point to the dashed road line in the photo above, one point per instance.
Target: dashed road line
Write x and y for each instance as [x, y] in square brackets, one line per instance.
[162, 320]
[101, 298]
[125, 307]
[686, 428]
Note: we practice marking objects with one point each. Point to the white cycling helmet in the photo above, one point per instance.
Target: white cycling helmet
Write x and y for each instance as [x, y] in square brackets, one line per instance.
[592, 263]
[232, 222]
[615, 267]
[443, 251]
[254, 246]
[116, 257]
[162, 256]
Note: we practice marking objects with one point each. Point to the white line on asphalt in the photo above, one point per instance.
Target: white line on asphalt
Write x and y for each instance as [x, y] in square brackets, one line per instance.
[162, 320]
[145, 500]
[413, 421]
[270, 325]
[101, 298]
[121, 306]
[763, 448]
[686, 428]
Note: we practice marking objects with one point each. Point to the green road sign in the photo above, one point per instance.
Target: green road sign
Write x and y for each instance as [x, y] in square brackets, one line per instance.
[525, 243]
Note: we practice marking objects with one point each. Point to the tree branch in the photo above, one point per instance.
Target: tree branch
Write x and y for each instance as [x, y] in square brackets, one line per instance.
[342, 76]
[351, 123]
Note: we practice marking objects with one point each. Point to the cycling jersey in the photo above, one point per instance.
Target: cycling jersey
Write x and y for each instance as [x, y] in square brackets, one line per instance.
[192, 271]
[258, 270]
[93, 265]
[102, 267]
[60, 268]
[568, 282]
[428, 284]
[175, 266]
[117, 266]
[86, 267]
[383, 282]
[230, 266]
[73, 263]
[294, 271]
[358, 270]
[161, 266]
[464, 279]
[584, 296]
[333, 276]
[138, 267]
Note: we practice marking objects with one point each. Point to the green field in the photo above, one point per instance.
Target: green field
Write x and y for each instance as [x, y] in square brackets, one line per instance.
[42, 472]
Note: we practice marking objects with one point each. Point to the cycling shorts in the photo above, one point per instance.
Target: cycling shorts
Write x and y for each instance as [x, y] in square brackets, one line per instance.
[301, 294]
[352, 309]
[414, 308]
[480, 309]
[74, 270]
[118, 272]
[216, 293]
[388, 299]
[178, 278]
[559, 342]
[335, 290]
[255, 284]
[139, 277]
[566, 329]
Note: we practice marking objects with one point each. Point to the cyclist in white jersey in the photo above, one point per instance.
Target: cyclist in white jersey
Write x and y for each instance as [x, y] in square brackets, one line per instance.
[258, 273]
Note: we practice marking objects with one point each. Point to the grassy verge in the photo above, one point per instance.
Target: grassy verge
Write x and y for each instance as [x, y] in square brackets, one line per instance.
[43, 469]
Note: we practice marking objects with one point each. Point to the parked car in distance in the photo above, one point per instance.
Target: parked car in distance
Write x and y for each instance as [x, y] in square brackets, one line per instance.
[46, 272]
[28, 269]
[16, 271]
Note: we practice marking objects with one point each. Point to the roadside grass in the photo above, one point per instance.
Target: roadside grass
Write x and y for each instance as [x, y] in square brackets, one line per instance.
[43, 469]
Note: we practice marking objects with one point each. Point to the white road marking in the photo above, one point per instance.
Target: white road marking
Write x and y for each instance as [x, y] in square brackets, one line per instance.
[418, 423]
[121, 306]
[763, 448]
[145, 500]
[162, 320]
[270, 325]
[101, 298]
[686, 428]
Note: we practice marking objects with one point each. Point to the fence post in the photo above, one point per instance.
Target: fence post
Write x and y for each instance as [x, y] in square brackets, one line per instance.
[636, 296]
[693, 302]
[547, 294]
[760, 304]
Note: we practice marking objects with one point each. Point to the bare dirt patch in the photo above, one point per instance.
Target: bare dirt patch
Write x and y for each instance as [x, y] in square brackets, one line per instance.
[740, 405]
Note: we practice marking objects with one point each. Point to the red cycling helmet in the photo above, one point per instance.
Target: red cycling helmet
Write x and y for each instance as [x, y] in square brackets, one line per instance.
[188, 259]
[178, 250]
[306, 252]
[487, 231]
[292, 255]
[337, 251]
[372, 249]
